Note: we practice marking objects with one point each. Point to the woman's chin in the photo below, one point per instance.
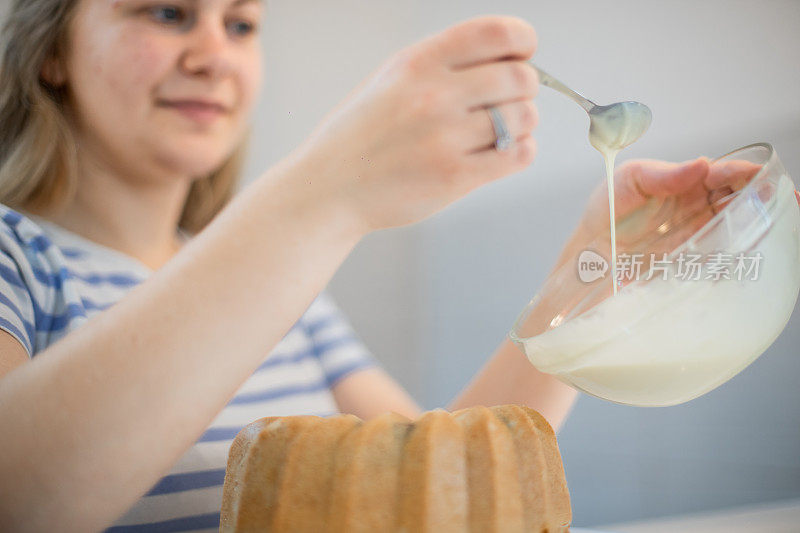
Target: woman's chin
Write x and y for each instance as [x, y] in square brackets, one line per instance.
[194, 154]
[194, 163]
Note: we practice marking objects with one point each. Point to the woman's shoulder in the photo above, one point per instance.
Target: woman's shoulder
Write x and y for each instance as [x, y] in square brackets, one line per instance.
[58, 249]
[30, 260]
[52, 280]
[46, 257]
[26, 238]
[21, 237]
[27, 278]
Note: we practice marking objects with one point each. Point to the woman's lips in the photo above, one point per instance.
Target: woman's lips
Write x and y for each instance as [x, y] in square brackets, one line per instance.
[201, 112]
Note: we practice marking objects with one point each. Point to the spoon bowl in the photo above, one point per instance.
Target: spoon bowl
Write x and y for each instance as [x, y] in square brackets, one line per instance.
[615, 126]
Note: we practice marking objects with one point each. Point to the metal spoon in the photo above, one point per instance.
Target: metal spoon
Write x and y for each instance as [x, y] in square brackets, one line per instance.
[611, 127]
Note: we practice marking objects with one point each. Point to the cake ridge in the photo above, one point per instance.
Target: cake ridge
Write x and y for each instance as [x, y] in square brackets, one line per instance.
[549, 501]
[434, 446]
[308, 478]
[370, 453]
[494, 485]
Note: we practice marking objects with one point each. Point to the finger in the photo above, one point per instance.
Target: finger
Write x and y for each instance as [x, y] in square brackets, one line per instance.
[636, 181]
[497, 82]
[734, 174]
[489, 164]
[797, 194]
[484, 39]
[660, 178]
[716, 198]
[718, 194]
[520, 117]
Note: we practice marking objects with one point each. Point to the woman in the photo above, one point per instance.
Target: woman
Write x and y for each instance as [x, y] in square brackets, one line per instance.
[122, 124]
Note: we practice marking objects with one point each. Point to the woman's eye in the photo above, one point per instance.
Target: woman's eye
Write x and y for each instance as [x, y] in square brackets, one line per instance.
[168, 14]
[242, 28]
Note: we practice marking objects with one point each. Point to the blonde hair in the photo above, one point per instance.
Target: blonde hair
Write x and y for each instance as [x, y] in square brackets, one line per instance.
[38, 150]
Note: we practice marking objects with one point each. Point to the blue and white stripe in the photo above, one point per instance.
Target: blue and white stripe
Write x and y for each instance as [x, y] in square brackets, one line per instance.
[53, 280]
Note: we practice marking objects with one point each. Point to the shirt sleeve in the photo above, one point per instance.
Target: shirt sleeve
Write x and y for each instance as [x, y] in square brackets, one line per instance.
[334, 342]
[17, 312]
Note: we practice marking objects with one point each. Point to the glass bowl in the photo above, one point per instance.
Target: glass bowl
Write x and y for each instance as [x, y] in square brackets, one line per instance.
[714, 285]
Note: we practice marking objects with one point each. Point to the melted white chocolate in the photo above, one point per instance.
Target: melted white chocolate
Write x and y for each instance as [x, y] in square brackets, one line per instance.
[611, 129]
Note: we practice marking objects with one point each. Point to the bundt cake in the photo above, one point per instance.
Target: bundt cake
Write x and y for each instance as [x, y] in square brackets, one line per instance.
[479, 469]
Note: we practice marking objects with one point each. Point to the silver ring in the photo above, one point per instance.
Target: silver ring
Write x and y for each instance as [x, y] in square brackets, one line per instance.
[503, 140]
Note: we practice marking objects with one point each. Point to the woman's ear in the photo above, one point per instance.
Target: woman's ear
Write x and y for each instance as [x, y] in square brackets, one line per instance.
[53, 72]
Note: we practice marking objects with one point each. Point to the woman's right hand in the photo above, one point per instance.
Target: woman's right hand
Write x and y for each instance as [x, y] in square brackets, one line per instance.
[415, 135]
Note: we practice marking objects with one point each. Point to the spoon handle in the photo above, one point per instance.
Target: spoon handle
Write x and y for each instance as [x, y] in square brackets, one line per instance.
[549, 81]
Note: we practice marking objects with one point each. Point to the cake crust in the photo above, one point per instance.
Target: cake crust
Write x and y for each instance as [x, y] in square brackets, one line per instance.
[480, 469]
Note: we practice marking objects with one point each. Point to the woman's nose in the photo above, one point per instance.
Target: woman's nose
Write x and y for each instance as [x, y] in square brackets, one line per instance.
[207, 50]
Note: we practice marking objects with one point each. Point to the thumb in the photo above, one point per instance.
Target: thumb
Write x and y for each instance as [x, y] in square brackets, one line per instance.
[637, 180]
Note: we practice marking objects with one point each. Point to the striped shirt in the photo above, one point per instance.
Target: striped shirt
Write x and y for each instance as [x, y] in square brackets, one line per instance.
[53, 280]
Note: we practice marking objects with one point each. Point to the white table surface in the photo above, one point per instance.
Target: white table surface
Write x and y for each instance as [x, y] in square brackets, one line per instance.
[775, 517]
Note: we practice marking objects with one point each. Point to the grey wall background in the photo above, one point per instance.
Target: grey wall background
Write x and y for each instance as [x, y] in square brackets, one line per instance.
[433, 300]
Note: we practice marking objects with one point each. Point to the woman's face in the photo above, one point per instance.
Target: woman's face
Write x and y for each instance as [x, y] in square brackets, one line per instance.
[164, 84]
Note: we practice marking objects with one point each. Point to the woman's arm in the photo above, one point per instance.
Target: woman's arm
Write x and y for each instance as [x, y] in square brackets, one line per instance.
[509, 378]
[90, 423]
[371, 392]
